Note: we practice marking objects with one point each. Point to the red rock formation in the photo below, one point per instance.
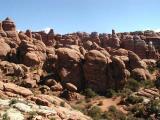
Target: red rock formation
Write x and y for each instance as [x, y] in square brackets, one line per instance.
[98, 61]
[8, 25]
[10, 28]
[2, 33]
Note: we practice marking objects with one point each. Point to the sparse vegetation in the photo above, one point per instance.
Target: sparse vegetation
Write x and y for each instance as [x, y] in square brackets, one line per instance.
[145, 111]
[95, 112]
[34, 68]
[13, 101]
[132, 84]
[110, 93]
[89, 93]
[152, 69]
[157, 83]
[13, 78]
[62, 104]
[54, 102]
[32, 114]
[52, 118]
[5, 117]
[114, 114]
[158, 64]
[131, 99]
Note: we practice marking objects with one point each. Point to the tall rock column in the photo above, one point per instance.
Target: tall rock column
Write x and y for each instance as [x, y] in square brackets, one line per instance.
[10, 28]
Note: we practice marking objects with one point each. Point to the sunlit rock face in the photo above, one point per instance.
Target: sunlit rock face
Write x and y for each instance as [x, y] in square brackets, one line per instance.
[8, 25]
[95, 60]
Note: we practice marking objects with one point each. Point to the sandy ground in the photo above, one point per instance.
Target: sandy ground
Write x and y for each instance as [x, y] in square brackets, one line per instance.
[107, 102]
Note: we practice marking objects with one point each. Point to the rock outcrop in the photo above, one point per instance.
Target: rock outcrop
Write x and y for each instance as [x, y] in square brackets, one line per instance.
[38, 66]
[69, 66]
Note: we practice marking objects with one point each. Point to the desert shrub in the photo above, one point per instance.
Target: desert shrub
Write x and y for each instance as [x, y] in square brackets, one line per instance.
[54, 102]
[151, 69]
[32, 114]
[95, 112]
[112, 109]
[80, 108]
[52, 118]
[158, 63]
[62, 104]
[89, 93]
[124, 92]
[88, 99]
[147, 84]
[110, 93]
[154, 108]
[5, 117]
[79, 101]
[13, 101]
[138, 110]
[157, 82]
[132, 84]
[133, 99]
[100, 103]
[113, 114]
[146, 110]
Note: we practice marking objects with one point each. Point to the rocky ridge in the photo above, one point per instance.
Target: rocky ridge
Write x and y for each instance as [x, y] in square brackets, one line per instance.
[50, 63]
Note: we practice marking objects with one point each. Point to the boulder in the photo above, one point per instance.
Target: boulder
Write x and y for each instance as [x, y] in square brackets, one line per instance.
[135, 61]
[32, 53]
[22, 107]
[69, 66]
[13, 69]
[117, 72]
[120, 52]
[10, 87]
[29, 83]
[95, 68]
[50, 82]
[141, 74]
[71, 87]
[57, 87]
[69, 95]
[4, 49]
[40, 101]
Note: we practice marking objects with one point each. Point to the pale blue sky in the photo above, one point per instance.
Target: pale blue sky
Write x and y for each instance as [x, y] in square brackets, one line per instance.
[83, 15]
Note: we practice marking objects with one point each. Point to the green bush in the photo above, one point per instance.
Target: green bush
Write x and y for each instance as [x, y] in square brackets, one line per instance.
[147, 110]
[110, 93]
[133, 99]
[32, 114]
[62, 104]
[113, 114]
[133, 85]
[95, 112]
[154, 107]
[147, 84]
[151, 69]
[157, 82]
[112, 109]
[124, 92]
[89, 93]
[5, 117]
[13, 101]
[158, 63]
